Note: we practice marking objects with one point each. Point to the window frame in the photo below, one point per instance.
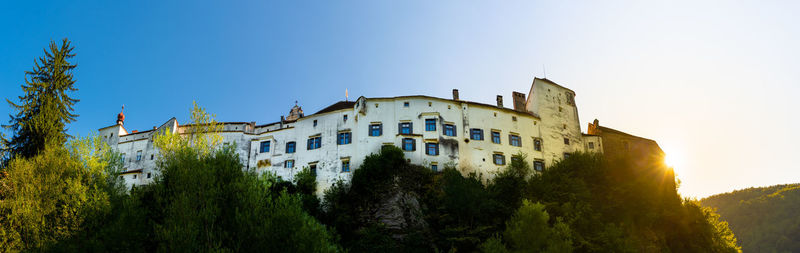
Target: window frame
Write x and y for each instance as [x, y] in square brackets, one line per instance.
[376, 127]
[138, 155]
[445, 130]
[473, 132]
[538, 163]
[496, 137]
[410, 141]
[293, 146]
[314, 142]
[430, 125]
[434, 145]
[286, 164]
[348, 138]
[405, 126]
[264, 148]
[514, 137]
[502, 159]
[537, 144]
[345, 165]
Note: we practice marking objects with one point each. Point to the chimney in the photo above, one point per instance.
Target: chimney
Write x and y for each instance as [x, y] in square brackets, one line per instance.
[455, 94]
[519, 101]
[499, 101]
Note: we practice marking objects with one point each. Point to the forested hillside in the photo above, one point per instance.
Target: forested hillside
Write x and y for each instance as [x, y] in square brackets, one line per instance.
[764, 219]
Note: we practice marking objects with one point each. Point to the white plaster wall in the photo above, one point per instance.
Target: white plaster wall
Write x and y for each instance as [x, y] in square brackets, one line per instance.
[549, 101]
[469, 155]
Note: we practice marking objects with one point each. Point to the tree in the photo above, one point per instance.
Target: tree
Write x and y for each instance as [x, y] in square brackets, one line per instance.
[529, 231]
[202, 135]
[57, 195]
[46, 106]
[203, 201]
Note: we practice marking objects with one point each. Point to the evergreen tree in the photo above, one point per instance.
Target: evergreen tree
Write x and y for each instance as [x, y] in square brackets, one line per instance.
[45, 108]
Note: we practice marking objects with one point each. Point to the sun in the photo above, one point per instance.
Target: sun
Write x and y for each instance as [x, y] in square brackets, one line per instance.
[671, 160]
[674, 159]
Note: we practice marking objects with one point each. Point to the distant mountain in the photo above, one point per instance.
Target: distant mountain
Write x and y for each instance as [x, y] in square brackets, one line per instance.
[765, 219]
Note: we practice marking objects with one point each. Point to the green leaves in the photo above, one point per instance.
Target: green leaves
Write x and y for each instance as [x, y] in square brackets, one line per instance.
[46, 107]
[56, 195]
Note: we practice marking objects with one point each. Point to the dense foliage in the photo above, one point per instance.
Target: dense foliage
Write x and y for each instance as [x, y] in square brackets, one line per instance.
[582, 203]
[45, 108]
[764, 219]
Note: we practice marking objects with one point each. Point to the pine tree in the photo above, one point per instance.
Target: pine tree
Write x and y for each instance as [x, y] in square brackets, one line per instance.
[46, 106]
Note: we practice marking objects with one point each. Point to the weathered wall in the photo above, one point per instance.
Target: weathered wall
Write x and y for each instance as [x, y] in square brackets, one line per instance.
[559, 113]
[546, 100]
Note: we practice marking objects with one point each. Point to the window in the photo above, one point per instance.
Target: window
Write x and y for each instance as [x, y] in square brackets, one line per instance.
[409, 144]
[315, 122]
[496, 137]
[313, 168]
[345, 166]
[152, 156]
[405, 104]
[450, 130]
[344, 118]
[148, 175]
[514, 140]
[430, 125]
[290, 147]
[537, 144]
[567, 155]
[122, 158]
[570, 99]
[435, 167]
[138, 155]
[591, 145]
[538, 166]
[430, 104]
[344, 138]
[406, 128]
[134, 176]
[264, 147]
[499, 159]
[432, 148]
[314, 142]
[288, 164]
[375, 129]
[566, 141]
[476, 134]
[513, 118]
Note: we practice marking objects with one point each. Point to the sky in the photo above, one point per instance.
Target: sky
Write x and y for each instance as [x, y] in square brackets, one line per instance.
[715, 83]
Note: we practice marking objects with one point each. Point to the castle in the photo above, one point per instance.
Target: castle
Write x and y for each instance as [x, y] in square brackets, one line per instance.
[431, 131]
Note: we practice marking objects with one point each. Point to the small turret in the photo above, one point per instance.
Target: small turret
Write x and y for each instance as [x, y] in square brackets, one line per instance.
[121, 116]
[295, 113]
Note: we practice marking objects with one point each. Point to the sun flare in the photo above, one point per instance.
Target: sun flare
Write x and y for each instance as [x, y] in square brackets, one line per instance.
[674, 159]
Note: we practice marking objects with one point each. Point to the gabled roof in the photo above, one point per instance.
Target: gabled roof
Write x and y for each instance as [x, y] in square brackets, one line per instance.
[554, 83]
[611, 130]
[337, 106]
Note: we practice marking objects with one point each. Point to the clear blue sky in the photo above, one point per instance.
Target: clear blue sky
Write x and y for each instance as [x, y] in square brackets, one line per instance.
[715, 84]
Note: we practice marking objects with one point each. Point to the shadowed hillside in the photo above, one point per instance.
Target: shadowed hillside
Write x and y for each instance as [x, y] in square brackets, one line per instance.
[764, 219]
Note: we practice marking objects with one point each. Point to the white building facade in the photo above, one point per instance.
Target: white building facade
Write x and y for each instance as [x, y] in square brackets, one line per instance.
[433, 132]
